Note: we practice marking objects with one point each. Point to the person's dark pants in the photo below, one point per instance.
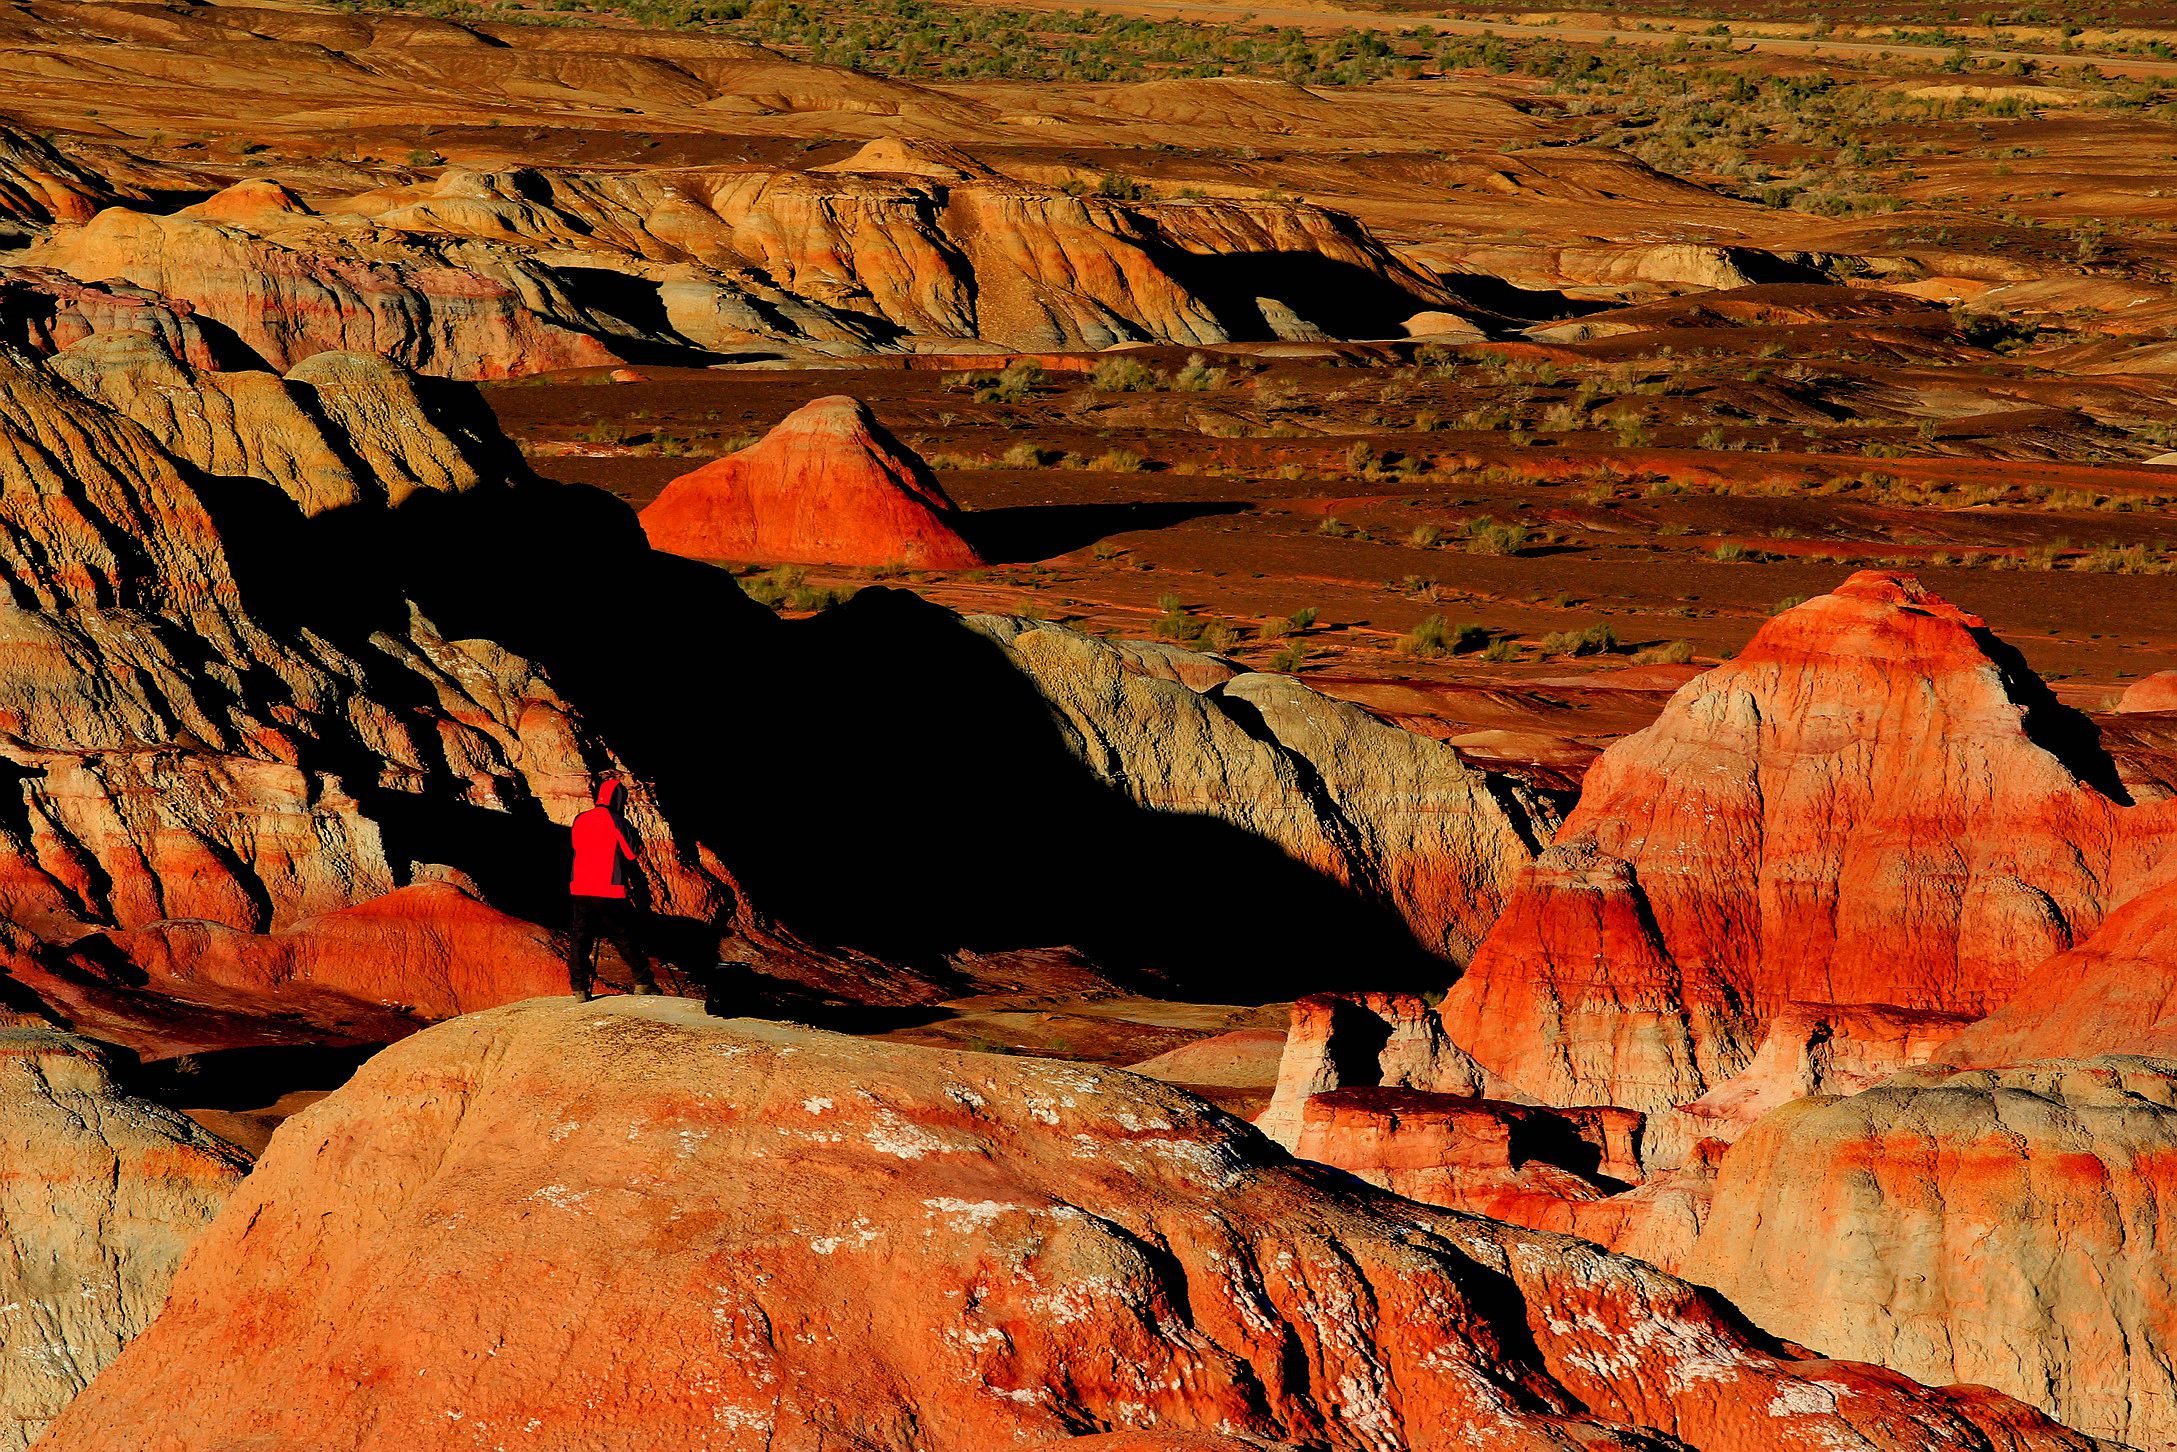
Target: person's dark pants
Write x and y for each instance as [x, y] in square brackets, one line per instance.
[609, 920]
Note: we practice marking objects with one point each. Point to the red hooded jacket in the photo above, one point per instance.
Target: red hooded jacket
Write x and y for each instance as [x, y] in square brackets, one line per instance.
[601, 850]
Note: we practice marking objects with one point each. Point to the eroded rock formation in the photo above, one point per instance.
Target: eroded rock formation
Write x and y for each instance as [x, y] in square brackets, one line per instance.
[828, 485]
[479, 274]
[1521, 1163]
[289, 285]
[177, 754]
[1874, 803]
[2116, 993]
[1028, 1251]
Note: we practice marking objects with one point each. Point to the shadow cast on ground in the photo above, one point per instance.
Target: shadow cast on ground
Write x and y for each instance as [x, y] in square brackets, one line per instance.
[878, 777]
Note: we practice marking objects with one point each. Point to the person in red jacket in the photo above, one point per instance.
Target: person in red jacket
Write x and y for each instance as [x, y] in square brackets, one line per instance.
[602, 855]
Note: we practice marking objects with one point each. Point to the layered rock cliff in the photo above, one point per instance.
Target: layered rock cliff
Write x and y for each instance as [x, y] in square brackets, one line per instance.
[500, 274]
[178, 745]
[1874, 803]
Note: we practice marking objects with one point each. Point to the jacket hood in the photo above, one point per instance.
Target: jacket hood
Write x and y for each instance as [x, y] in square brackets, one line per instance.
[608, 791]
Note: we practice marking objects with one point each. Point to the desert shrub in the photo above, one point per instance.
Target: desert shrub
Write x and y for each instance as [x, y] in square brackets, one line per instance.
[1028, 456]
[1670, 652]
[1219, 636]
[1995, 333]
[1292, 658]
[1789, 602]
[1728, 552]
[1501, 650]
[1486, 536]
[1119, 461]
[2116, 559]
[1594, 640]
[771, 586]
[1425, 536]
[1016, 383]
[1123, 375]
[1120, 188]
[1432, 638]
[1175, 623]
[1197, 376]
[810, 598]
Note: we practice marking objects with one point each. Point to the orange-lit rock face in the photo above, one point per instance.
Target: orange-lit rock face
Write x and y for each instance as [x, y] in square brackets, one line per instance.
[1874, 802]
[827, 486]
[1513, 1162]
[2006, 1227]
[623, 1225]
[301, 291]
[375, 970]
[1363, 1040]
[2157, 692]
[2116, 993]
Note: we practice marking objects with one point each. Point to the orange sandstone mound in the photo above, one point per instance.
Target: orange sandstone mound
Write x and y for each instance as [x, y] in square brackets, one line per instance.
[828, 485]
[624, 1225]
[1875, 803]
[2157, 692]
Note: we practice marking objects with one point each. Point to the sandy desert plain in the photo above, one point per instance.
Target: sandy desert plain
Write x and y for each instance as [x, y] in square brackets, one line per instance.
[1357, 730]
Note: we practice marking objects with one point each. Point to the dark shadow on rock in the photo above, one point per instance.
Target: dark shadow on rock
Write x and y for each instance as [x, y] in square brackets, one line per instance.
[1039, 531]
[1341, 299]
[1521, 304]
[2064, 732]
[879, 777]
[247, 1078]
[630, 317]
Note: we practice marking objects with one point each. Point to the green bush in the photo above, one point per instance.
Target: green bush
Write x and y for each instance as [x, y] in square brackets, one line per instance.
[1595, 640]
[1433, 638]
[1486, 536]
[1017, 383]
[1670, 652]
[1123, 375]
